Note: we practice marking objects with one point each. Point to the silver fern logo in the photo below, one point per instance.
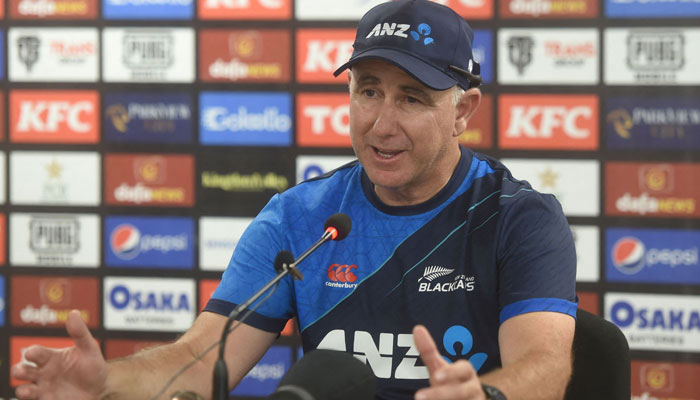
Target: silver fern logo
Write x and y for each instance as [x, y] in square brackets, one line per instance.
[434, 271]
[429, 282]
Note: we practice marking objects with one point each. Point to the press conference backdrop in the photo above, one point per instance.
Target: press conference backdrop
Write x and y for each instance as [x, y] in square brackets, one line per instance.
[140, 137]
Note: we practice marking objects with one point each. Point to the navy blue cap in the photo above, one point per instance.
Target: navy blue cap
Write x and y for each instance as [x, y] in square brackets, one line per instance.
[429, 41]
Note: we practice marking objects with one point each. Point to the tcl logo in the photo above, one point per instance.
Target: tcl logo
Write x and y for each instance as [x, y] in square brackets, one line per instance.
[548, 122]
[54, 117]
[320, 52]
[323, 120]
[245, 9]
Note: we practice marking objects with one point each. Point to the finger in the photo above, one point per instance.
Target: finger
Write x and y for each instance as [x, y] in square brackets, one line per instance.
[78, 330]
[428, 350]
[460, 371]
[450, 392]
[25, 372]
[27, 392]
[38, 355]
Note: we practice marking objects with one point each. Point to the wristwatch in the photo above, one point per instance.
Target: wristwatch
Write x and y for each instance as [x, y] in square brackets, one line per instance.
[492, 393]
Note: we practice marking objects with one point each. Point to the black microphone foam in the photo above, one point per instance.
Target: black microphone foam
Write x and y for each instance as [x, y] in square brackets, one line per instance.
[341, 222]
[327, 375]
[283, 257]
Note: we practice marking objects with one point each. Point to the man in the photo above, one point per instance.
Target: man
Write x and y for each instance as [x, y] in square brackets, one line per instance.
[445, 244]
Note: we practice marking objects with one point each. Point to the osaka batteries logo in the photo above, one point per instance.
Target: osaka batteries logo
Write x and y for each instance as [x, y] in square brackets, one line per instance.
[125, 240]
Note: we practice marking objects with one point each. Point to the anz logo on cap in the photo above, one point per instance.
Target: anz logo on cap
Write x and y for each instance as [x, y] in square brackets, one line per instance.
[423, 30]
[393, 29]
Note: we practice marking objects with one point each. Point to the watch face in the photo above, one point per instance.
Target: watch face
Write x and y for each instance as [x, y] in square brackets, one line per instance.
[493, 393]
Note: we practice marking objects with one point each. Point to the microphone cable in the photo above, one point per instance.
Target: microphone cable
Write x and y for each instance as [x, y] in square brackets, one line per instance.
[213, 345]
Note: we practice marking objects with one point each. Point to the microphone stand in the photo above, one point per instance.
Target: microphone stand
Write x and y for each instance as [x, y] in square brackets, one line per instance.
[337, 227]
[220, 384]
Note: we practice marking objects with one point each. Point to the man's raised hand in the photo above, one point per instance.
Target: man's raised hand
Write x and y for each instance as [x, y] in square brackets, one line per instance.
[457, 381]
[76, 373]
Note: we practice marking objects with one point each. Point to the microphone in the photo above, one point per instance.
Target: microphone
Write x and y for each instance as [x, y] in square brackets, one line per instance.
[327, 375]
[337, 227]
[285, 261]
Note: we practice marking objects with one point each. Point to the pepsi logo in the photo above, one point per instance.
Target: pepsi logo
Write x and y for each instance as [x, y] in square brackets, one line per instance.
[125, 241]
[628, 255]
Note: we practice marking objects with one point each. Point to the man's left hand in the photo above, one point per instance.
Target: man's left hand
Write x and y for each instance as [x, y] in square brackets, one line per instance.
[457, 381]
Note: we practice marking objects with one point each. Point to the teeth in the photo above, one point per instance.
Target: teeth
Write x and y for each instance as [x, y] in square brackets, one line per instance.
[385, 154]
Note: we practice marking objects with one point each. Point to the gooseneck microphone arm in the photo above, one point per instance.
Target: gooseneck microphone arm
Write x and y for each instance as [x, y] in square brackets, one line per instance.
[337, 227]
[283, 261]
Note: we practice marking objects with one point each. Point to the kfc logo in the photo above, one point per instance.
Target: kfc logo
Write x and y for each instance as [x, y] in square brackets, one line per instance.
[549, 122]
[320, 52]
[324, 120]
[55, 117]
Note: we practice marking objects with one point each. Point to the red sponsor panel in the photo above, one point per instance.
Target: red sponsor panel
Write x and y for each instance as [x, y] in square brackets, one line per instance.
[652, 189]
[46, 301]
[323, 120]
[655, 380]
[19, 344]
[471, 9]
[2, 115]
[479, 132]
[548, 8]
[245, 9]
[206, 289]
[245, 55]
[117, 348]
[60, 116]
[548, 122]
[319, 52]
[3, 235]
[2, 8]
[589, 302]
[149, 179]
[53, 9]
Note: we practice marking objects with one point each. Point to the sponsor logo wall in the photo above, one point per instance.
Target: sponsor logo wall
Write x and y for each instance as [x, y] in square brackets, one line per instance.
[148, 117]
[651, 56]
[141, 137]
[647, 123]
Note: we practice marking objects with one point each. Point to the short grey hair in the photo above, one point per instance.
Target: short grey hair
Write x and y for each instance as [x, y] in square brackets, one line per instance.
[457, 93]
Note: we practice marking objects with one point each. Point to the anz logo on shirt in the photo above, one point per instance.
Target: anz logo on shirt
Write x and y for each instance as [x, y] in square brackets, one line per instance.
[457, 341]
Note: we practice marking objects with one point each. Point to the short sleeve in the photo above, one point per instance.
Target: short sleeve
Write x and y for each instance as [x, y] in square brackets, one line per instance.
[251, 267]
[536, 257]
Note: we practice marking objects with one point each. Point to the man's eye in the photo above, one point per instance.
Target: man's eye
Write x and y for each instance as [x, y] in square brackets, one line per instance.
[412, 100]
[369, 92]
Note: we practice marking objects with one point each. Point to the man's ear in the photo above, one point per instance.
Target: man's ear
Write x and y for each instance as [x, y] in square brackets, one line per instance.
[466, 107]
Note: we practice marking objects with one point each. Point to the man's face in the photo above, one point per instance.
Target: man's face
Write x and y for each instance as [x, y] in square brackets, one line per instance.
[403, 133]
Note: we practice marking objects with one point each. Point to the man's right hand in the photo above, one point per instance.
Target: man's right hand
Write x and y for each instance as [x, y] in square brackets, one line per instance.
[76, 373]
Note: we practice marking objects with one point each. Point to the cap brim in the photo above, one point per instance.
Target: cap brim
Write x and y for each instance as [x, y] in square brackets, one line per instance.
[420, 70]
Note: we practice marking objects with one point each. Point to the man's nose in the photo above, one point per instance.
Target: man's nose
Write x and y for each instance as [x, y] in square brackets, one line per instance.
[387, 122]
